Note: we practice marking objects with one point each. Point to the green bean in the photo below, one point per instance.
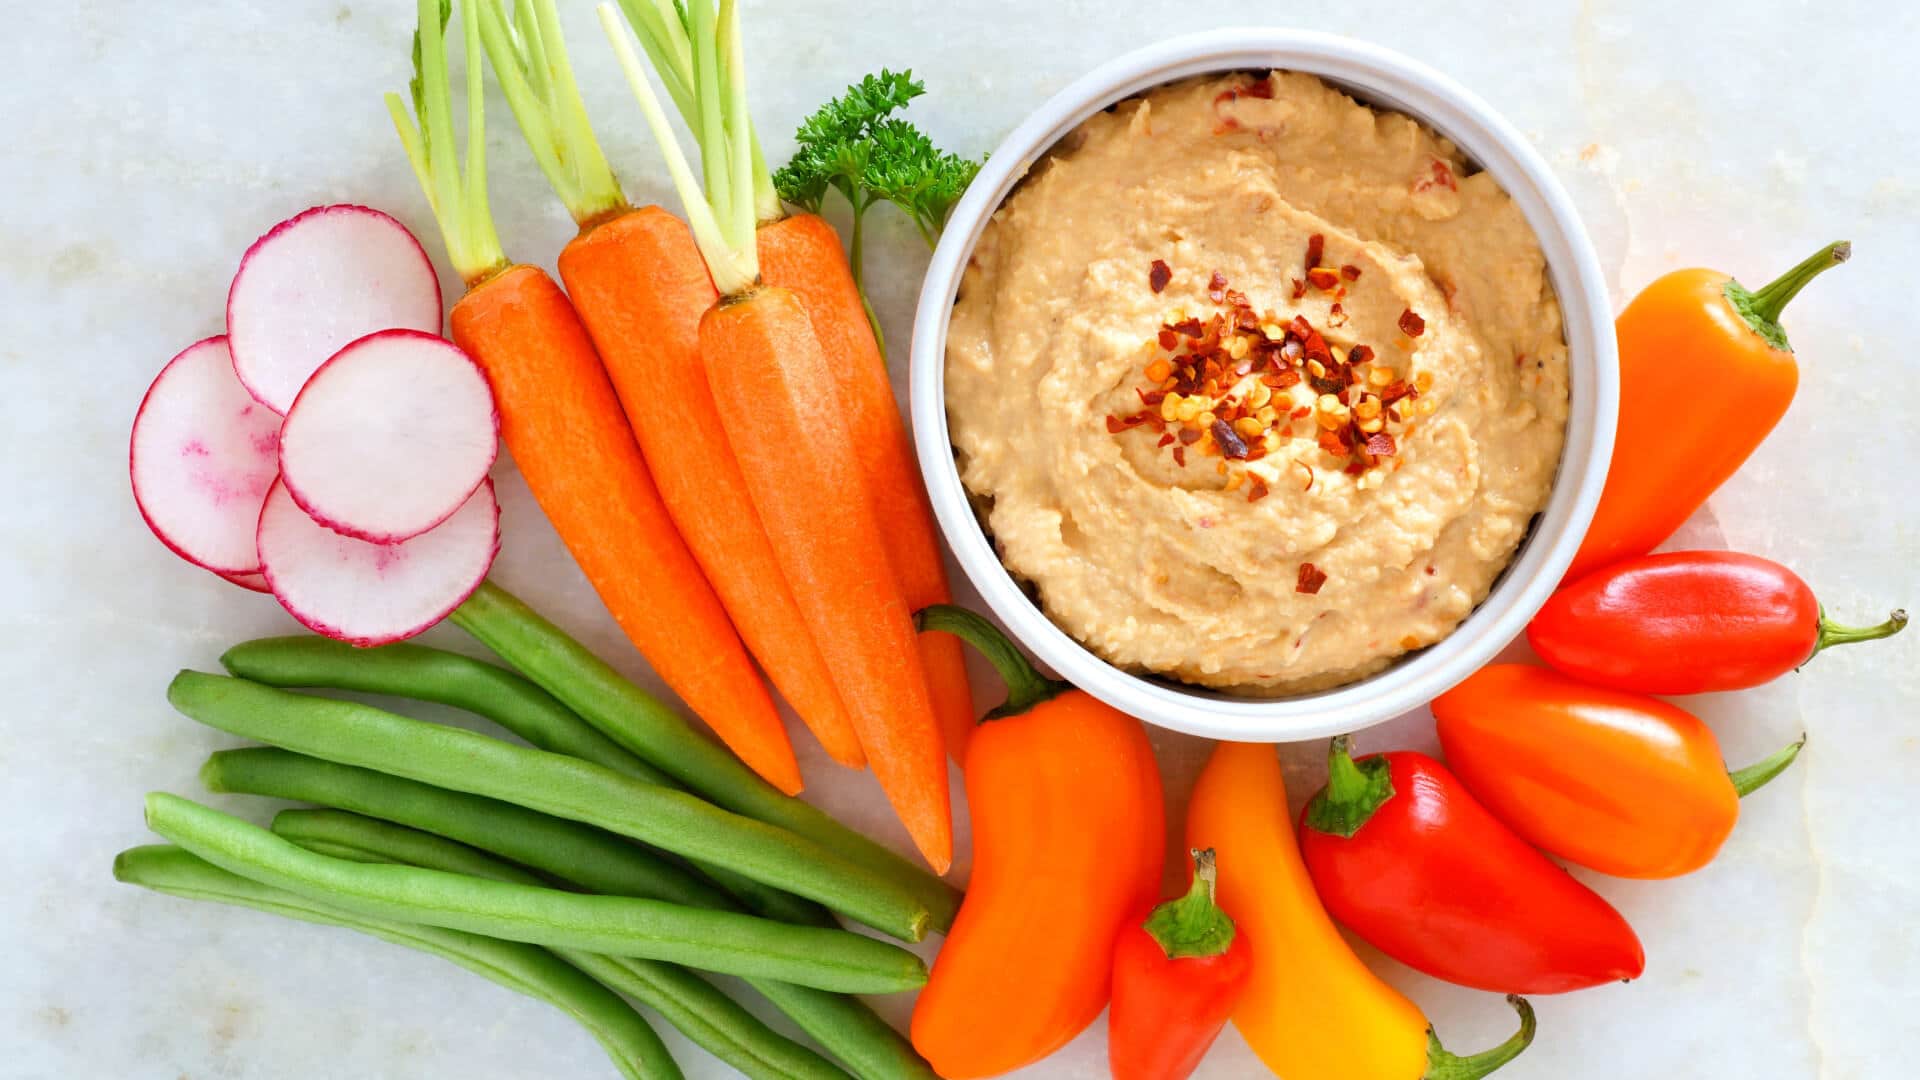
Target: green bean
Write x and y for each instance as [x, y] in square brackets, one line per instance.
[621, 925]
[845, 1026]
[511, 832]
[640, 722]
[422, 673]
[701, 1012]
[526, 969]
[355, 734]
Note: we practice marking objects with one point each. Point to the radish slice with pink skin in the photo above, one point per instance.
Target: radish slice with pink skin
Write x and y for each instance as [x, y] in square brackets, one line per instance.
[202, 456]
[371, 594]
[251, 580]
[317, 281]
[390, 436]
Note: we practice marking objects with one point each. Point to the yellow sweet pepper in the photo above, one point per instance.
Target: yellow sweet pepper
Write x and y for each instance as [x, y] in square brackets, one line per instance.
[1312, 1010]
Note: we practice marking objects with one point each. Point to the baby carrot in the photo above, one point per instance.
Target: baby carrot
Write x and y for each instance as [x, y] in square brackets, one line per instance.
[803, 253]
[776, 401]
[637, 281]
[561, 419]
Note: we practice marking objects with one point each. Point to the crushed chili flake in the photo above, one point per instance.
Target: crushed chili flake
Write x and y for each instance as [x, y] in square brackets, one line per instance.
[1396, 391]
[1360, 354]
[1189, 326]
[1310, 579]
[1168, 339]
[1322, 278]
[1350, 272]
[1411, 324]
[1158, 275]
[1316, 248]
[1302, 412]
[1217, 288]
[1256, 490]
[1259, 88]
[1188, 436]
[1165, 440]
[1229, 440]
[1180, 456]
[1355, 468]
[1336, 315]
[1439, 174]
[1299, 288]
[1380, 444]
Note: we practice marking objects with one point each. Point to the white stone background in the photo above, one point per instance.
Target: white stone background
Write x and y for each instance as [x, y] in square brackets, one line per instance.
[146, 144]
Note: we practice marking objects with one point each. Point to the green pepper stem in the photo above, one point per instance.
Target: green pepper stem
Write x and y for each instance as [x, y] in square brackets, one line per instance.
[1761, 307]
[1444, 1065]
[1354, 791]
[1832, 633]
[1026, 687]
[1193, 925]
[1772, 298]
[1754, 777]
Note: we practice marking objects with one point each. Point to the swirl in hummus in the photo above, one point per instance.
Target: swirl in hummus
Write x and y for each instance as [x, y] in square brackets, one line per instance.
[1217, 461]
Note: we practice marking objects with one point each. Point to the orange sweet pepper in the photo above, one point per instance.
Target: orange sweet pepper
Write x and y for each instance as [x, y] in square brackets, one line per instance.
[1705, 373]
[1312, 1010]
[1069, 832]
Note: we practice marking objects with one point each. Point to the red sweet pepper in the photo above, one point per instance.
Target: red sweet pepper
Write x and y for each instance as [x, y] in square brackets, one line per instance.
[1404, 856]
[1178, 971]
[1689, 622]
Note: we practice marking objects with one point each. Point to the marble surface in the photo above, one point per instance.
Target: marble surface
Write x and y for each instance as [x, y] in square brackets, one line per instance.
[147, 144]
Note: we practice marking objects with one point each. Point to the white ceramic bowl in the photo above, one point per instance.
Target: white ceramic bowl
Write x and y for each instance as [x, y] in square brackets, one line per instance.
[1384, 79]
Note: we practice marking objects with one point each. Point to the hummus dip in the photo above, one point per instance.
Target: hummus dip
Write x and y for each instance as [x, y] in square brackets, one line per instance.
[1259, 387]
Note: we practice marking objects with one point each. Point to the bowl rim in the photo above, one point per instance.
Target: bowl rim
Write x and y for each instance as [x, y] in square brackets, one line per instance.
[1384, 79]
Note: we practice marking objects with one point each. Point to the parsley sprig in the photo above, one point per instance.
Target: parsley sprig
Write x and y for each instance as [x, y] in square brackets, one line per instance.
[855, 145]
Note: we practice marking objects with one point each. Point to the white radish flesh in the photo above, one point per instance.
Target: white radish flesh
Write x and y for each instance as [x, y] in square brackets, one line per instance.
[370, 594]
[314, 283]
[390, 436]
[202, 456]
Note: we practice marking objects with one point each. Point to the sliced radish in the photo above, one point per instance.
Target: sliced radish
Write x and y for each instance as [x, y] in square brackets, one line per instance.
[370, 594]
[390, 436]
[251, 579]
[317, 281]
[203, 455]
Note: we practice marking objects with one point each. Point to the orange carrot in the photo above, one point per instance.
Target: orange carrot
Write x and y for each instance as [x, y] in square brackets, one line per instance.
[778, 403]
[563, 424]
[561, 420]
[639, 285]
[775, 393]
[804, 254]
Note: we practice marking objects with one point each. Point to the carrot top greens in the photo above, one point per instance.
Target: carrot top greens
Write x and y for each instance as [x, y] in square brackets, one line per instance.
[457, 193]
[529, 58]
[721, 207]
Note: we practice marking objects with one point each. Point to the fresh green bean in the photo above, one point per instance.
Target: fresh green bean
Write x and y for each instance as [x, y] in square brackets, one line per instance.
[526, 969]
[620, 925]
[422, 673]
[701, 1012]
[640, 722]
[356, 734]
[845, 1026]
[511, 832]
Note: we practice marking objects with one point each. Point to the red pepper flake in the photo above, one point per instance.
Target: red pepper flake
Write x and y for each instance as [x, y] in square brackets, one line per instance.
[1312, 345]
[1336, 316]
[1188, 436]
[1395, 392]
[1229, 440]
[1310, 580]
[1158, 275]
[1168, 339]
[1115, 425]
[1280, 380]
[1260, 88]
[1256, 490]
[1322, 278]
[1238, 301]
[1217, 288]
[1180, 456]
[1165, 440]
[1411, 324]
[1431, 571]
[1189, 326]
[1355, 468]
[1316, 248]
[1150, 398]
[1302, 412]
[1350, 272]
[1360, 354]
[1334, 442]
[1393, 414]
[1440, 174]
[1299, 288]
[1342, 397]
[1380, 444]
